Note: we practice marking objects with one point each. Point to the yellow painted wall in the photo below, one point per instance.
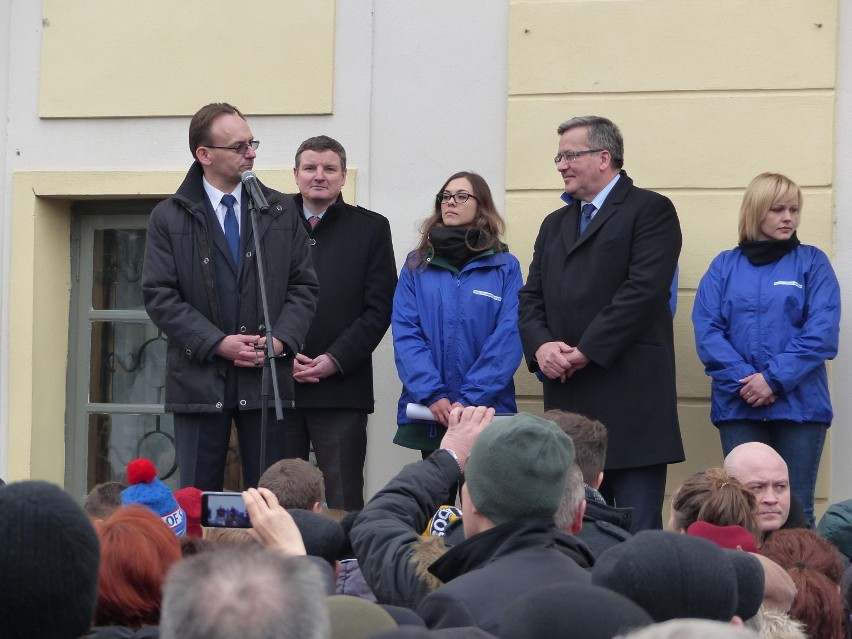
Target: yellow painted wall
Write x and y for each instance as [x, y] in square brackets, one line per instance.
[707, 95]
[40, 289]
[106, 58]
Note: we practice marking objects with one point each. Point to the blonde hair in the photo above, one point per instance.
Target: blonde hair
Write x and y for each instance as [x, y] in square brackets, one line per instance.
[229, 536]
[761, 193]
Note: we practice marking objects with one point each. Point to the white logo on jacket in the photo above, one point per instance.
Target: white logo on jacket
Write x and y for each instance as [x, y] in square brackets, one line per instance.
[496, 298]
[788, 283]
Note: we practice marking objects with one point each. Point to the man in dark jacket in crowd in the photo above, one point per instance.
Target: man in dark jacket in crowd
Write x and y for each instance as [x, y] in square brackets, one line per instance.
[515, 474]
[353, 257]
[603, 525]
[200, 285]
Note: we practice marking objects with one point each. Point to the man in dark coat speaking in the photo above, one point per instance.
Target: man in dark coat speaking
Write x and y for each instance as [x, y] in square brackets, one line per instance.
[200, 286]
[594, 315]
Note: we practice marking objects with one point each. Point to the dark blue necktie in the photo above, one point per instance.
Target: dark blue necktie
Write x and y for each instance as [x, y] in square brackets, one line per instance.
[586, 217]
[232, 228]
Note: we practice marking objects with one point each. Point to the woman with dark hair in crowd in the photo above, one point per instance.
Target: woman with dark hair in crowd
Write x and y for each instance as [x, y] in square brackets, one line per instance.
[137, 550]
[816, 568]
[717, 498]
[766, 318]
[455, 313]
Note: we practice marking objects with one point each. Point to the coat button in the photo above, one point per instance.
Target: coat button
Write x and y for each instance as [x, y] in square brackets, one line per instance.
[218, 404]
[279, 208]
[312, 242]
[243, 329]
[206, 260]
[188, 352]
[242, 402]
[248, 254]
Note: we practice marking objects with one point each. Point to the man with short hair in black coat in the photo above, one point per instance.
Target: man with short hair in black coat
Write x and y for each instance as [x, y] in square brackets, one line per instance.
[352, 254]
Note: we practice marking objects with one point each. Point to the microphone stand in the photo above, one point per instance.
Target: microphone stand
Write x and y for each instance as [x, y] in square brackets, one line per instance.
[269, 368]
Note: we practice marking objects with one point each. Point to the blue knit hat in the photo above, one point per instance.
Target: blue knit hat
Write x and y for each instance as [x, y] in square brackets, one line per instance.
[146, 489]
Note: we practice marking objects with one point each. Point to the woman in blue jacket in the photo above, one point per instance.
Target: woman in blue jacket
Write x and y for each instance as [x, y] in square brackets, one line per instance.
[455, 313]
[766, 318]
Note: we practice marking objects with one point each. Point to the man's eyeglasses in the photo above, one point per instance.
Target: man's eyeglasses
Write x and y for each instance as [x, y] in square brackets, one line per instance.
[241, 148]
[459, 198]
[570, 156]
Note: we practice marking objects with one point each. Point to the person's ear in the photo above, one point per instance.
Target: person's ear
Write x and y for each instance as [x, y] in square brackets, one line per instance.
[202, 154]
[577, 524]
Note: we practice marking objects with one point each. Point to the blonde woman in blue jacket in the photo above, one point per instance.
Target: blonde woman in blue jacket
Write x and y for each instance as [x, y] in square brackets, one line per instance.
[766, 318]
[455, 313]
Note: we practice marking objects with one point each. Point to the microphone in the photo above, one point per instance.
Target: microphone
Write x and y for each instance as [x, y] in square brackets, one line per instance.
[252, 185]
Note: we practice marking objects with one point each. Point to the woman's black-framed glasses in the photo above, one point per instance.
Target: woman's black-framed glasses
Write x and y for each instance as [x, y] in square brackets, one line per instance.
[459, 198]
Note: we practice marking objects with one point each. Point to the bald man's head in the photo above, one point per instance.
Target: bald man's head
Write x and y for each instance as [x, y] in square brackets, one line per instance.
[763, 472]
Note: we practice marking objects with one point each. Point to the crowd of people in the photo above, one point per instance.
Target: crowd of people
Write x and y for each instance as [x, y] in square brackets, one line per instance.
[521, 558]
[513, 526]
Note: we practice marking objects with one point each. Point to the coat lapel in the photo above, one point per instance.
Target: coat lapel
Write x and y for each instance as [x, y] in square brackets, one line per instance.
[606, 212]
[570, 226]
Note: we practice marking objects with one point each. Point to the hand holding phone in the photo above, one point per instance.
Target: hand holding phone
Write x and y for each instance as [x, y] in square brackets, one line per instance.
[224, 510]
[273, 525]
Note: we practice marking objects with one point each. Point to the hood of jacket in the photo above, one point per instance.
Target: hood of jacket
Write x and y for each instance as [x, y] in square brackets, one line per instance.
[491, 545]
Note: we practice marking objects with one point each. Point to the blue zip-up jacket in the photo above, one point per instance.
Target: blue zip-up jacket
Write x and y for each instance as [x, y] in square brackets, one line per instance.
[780, 319]
[455, 334]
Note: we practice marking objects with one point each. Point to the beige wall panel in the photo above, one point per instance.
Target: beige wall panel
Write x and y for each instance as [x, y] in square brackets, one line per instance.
[700, 442]
[530, 406]
[524, 214]
[663, 45]
[689, 141]
[691, 381]
[157, 58]
[38, 334]
[527, 385]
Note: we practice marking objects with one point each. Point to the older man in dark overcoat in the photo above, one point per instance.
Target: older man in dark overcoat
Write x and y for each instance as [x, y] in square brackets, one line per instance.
[594, 314]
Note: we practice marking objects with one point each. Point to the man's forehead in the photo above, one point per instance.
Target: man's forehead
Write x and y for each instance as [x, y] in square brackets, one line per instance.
[571, 137]
[325, 157]
[764, 470]
[231, 125]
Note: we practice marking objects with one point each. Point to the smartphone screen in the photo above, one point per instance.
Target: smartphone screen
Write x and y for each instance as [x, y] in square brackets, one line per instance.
[224, 510]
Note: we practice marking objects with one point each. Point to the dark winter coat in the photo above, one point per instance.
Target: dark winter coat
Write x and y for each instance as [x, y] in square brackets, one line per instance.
[607, 293]
[196, 295]
[352, 254]
[605, 526]
[385, 534]
[486, 573]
